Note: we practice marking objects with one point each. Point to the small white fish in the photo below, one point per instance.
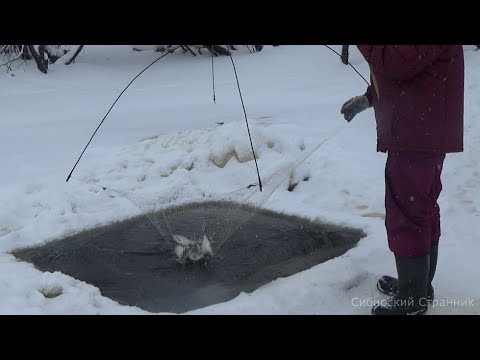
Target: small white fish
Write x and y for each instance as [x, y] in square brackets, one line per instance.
[206, 246]
[182, 240]
[191, 249]
[179, 251]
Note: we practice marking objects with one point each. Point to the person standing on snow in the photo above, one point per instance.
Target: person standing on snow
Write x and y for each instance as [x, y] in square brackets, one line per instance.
[417, 94]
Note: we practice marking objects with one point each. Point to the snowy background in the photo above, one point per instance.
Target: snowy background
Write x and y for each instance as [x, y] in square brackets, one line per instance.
[164, 134]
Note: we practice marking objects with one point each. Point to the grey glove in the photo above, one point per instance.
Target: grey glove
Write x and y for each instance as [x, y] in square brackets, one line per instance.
[353, 106]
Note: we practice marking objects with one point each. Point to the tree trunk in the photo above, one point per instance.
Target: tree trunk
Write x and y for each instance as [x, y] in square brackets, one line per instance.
[39, 58]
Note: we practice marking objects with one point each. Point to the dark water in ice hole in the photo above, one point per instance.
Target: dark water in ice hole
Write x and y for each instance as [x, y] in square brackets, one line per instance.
[130, 262]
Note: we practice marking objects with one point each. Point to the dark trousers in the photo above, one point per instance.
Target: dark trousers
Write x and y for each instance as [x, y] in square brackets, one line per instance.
[412, 188]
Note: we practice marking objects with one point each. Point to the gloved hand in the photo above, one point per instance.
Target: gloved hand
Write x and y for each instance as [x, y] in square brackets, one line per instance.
[353, 106]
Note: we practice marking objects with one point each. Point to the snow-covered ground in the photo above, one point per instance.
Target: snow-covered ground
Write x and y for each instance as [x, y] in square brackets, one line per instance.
[164, 134]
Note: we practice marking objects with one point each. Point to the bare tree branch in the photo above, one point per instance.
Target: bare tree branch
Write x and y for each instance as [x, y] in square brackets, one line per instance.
[20, 53]
[72, 59]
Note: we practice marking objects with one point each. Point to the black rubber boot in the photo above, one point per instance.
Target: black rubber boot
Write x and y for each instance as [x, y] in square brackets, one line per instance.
[413, 278]
[433, 264]
[389, 285]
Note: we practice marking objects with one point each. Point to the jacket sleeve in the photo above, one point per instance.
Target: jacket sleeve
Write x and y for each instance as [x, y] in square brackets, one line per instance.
[400, 62]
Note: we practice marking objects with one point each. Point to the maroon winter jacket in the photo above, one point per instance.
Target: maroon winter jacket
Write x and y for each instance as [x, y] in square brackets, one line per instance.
[419, 100]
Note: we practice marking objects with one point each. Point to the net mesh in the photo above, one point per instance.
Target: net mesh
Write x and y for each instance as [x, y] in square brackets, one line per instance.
[202, 233]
